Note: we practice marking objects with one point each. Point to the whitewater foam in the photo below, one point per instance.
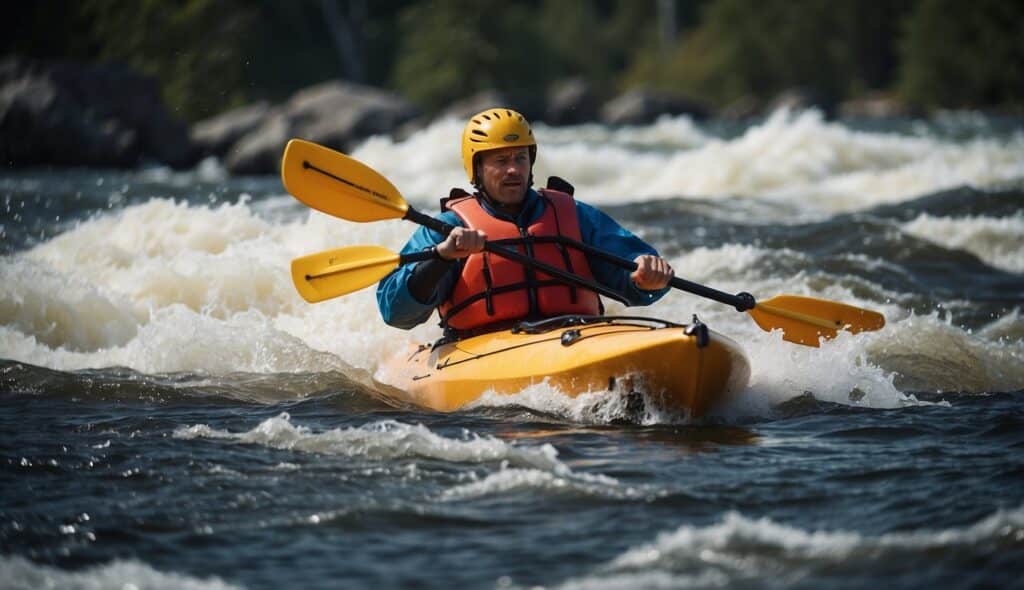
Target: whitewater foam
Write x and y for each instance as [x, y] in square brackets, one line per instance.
[919, 352]
[930, 353]
[793, 157]
[511, 480]
[164, 286]
[206, 289]
[599, 407]
[739, 550]
[19, 573]
[1007, 329]
[998, 241]
[383, 441]
[61, 310]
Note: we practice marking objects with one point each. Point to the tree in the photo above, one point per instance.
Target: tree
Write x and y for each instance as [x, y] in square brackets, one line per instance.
[450, 48]
[194, 48]
[964, 54]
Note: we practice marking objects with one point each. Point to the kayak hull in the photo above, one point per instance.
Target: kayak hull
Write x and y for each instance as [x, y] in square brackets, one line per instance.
[683, 368]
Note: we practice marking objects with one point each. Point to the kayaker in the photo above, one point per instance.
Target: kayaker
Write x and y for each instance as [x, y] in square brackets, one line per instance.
[476, 291]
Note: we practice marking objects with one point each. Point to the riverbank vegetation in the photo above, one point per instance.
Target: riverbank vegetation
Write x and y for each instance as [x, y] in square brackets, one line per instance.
[213, 55]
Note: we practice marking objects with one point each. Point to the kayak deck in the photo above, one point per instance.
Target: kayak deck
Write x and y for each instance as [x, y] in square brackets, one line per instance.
[681, 367]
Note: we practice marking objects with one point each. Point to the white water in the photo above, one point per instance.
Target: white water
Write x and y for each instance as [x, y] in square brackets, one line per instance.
[384, 441]
[519, 467]
[165, 287]
[741, 550]
[795, 159]
[996, 241]
[18, 573]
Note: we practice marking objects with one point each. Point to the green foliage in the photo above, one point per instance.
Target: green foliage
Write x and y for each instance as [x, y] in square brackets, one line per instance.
[746, 49]
[211, 55]
[287, 47]
[451, 48]
[194, 47]
[594, 41]
[569, 27]
[958, 54]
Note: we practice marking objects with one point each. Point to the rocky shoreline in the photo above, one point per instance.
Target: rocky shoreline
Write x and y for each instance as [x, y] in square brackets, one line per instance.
[55, 113]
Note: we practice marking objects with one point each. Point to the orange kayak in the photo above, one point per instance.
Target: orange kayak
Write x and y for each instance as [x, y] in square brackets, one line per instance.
[686, 368]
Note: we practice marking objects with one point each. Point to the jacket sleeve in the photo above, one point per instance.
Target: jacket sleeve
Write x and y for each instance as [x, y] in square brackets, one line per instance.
[601, 231]
[398, 307]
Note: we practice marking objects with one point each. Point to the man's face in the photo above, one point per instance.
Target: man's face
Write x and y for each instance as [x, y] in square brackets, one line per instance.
[504, 174]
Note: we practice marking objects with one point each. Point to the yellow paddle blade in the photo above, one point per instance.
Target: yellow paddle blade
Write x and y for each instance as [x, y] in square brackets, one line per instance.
[341, 271]
[338, 185]
[804, 320]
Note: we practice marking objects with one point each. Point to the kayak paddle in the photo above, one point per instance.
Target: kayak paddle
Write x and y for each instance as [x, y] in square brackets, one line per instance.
[341, 271]
[318, 176]
[341, 186]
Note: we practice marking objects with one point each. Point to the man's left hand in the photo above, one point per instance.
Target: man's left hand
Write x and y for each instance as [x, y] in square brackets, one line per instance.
[652, 273]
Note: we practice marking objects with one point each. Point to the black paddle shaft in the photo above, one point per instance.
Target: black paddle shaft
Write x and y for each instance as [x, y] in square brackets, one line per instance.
[741, 301]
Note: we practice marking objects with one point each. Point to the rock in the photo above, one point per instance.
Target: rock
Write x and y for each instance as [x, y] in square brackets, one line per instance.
[73, 114]
[259, 152]
[462, 110]
[802, 98]
[874, 106]
[571, 102]
[411, 127]
[216, 135]
[744, 107]
[336, 114]
[341, 113]
[640, 107]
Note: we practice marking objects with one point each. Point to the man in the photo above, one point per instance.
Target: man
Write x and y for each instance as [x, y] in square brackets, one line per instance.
[476, 291]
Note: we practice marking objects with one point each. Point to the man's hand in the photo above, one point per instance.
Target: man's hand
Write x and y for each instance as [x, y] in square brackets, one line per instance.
[652, 273]
[461, 243]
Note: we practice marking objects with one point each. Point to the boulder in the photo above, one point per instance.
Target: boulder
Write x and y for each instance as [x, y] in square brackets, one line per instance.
[336, 114]
[571, 102]
[341, 113]
[75, 114]
[744, 107]
[463, 109]
[874, 106]
[216, 135]
[259, 152]
[802, 98]
[641, 106]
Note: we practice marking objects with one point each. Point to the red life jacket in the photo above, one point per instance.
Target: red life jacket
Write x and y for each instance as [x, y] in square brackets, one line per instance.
[493, 289]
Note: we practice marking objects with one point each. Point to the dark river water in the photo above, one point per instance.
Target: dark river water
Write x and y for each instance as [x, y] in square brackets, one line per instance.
[173, 415]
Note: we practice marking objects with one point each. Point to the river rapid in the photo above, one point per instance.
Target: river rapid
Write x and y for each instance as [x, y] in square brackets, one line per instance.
[174, 415]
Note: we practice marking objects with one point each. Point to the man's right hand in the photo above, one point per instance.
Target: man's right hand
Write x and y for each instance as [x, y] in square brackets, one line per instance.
[461, 242]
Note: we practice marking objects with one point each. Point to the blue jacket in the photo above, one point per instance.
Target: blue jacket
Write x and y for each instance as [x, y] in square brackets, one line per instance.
[400, 309]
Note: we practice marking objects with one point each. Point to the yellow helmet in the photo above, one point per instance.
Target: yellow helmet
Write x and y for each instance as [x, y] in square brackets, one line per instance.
[494, 129]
